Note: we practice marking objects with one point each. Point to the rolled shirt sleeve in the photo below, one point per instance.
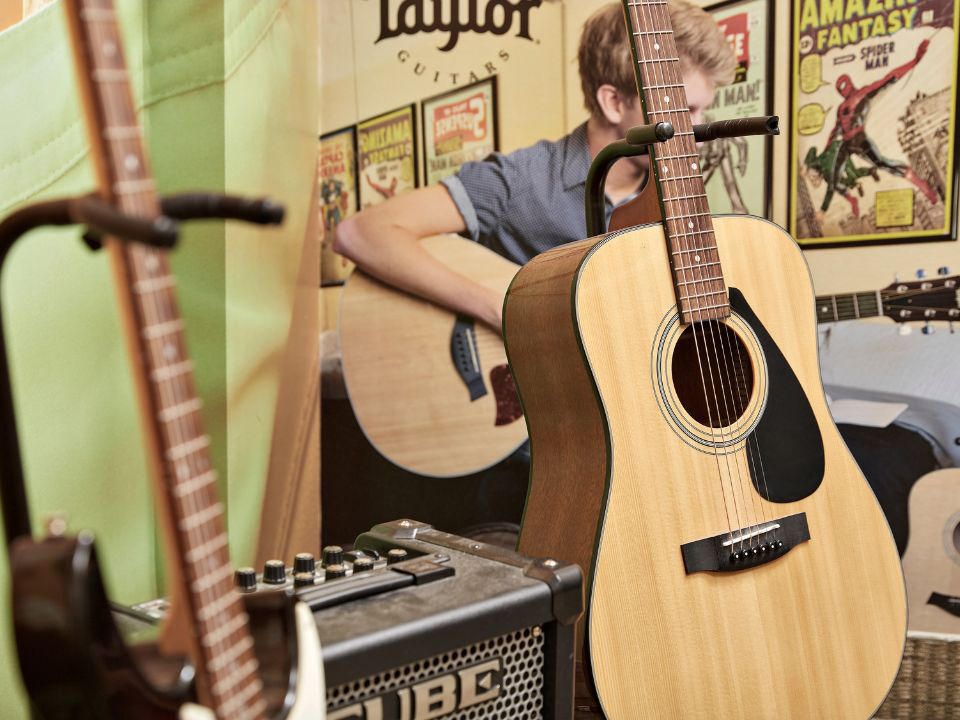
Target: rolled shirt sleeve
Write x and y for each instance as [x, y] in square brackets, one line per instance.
[481, 191]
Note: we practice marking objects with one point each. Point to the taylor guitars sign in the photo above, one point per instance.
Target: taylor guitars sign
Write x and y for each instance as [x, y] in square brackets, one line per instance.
[454, 18]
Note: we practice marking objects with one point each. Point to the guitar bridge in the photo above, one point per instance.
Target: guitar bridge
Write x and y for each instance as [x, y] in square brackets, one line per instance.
[747, 547]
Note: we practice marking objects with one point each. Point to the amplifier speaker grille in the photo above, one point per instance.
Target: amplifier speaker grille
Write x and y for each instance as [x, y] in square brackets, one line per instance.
[521, 698]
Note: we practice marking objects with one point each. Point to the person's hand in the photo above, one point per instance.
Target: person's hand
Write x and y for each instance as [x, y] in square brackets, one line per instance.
[493, 316]
[922, 50]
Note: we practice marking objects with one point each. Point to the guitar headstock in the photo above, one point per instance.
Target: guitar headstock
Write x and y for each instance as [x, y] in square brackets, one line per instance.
[935, 298]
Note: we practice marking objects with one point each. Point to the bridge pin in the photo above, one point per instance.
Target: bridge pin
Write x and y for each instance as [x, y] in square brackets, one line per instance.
[779, 544]
[763, 548]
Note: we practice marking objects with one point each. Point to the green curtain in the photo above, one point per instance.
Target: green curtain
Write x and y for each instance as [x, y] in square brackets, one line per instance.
[229, 101]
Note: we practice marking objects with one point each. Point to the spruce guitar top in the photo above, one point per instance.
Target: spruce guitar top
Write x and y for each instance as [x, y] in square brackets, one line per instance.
[431, 389]
[931, 562]
[738, 564]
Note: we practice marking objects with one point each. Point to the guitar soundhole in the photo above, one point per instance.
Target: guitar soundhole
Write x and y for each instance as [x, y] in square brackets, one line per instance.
[712, 373]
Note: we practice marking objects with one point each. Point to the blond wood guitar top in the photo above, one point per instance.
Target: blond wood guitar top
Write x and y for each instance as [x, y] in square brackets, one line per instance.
[931, 563]
[403, 387]
[817, 633]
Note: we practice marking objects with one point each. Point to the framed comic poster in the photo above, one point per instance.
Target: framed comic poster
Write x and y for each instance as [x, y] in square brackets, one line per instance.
[387, 155]
[459, 126]
[737, 171]
[873, 116]
[337, 172]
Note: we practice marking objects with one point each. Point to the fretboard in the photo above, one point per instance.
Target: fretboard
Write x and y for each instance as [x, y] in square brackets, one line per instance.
[851, 306]
[695, 263]
[225, 663]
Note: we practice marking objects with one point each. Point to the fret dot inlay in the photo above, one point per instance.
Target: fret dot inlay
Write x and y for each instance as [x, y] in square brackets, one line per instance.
[696, 258]
[656, 46]
[109, 49]
[169, 351]
[131, 163]
[151, 263]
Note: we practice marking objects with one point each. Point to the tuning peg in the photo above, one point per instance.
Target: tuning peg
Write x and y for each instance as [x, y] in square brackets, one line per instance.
[904, 329]
[944, 270]
[928, 329]
[921, 274]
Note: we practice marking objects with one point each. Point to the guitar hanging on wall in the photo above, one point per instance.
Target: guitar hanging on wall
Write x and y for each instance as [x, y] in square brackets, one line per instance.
[96, 674]
[683, 454]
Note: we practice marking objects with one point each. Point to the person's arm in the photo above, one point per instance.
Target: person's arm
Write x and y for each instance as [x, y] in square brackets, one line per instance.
[383, 240]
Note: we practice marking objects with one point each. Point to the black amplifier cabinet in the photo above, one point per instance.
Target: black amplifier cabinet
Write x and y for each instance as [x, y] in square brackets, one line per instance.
[460, 630]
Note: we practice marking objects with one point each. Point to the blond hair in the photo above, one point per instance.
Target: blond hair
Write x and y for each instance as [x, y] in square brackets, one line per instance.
[605, 58]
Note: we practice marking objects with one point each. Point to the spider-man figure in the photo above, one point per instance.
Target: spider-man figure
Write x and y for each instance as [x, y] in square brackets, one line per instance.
[851, 116]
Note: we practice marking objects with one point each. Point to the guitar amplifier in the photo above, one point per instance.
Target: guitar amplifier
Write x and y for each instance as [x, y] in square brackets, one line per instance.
[417, 624]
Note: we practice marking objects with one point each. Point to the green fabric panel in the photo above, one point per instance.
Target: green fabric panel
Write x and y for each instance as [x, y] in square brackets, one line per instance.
[271, 63]
[230, 98]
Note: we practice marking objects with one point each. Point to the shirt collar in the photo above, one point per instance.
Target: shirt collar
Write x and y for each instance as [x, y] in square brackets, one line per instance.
[576, 158]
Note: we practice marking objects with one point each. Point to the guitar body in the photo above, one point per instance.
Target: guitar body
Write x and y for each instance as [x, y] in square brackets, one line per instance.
[408, 394]
[623, 474]
[76, 666]
[931, 563]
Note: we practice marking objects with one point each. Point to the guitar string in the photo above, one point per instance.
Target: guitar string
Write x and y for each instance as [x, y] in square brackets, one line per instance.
[656, 44]
[140, 204]
[692, 188]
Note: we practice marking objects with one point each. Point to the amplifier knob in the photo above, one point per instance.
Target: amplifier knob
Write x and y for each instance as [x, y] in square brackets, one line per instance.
[335, 571]
[396, 555]
[304, 563]
[332, 555]
[245, 579]
[362, 564]
[274, 572]
[303, 579]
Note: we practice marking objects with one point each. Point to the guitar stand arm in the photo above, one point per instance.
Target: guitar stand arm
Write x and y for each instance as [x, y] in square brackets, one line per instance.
[638, 141]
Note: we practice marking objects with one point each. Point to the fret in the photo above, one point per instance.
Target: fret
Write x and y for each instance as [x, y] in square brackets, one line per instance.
[186, 487]
[700, 281]
[218, 606]
[663, 87]
[706, 294]
[203, 516]
[236, 677]
[668, 111]
[698, 266]
[677, 157]
[175, 412]
[153, 284]
[201, 551]
[110, 75]
[879, 304]
[685, 197]
[693, 250]
[256, 710]
[121, 132]
[653, 32]
[122, 187]
[833, 299]
[681, 177]
[94, 14]
[692, 232]
[189, 447]
[223, 631]
[209, 580]
[238, 698]
[684, 217]
[658, 60]
[158, 330]
[232, 654]
[856, 306]
[708, 307]
[168, 372]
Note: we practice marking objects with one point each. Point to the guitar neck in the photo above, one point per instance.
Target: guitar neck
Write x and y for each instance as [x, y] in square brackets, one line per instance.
[184, 478]
[849, 306]
[697, 276]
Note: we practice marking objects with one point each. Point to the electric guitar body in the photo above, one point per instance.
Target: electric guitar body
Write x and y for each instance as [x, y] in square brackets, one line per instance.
[653, 499]
[931, 563]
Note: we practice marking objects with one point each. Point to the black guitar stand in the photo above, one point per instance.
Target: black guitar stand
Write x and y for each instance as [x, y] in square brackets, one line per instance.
[100, 219]
[638, 141]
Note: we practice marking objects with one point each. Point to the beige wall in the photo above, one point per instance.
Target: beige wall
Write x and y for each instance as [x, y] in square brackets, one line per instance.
[540, 97]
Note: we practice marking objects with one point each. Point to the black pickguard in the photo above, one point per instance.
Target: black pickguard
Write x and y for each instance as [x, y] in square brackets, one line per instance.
[787, 435]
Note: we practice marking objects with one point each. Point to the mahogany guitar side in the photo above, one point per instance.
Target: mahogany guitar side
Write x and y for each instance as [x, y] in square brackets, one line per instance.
[405, 390]
[618, 486]
[931, 563]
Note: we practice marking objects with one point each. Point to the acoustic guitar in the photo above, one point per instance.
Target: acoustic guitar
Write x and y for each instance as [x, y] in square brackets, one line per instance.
[683, 454]
[931, 562]
[73, 661]
[431, 389]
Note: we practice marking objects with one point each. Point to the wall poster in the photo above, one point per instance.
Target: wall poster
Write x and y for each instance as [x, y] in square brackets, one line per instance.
[337, 171]
[737, 171]
[387, 155]
[459, 126]
[873, 118]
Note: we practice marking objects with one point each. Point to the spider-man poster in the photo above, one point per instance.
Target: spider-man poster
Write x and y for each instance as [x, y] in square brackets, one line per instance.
[337, 175]
[387, 155]
[873, 120]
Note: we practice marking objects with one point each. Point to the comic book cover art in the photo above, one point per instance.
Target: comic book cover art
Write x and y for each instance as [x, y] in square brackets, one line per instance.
[736, 170]
[338, 198]
[873, 117]
[458, 127]
[387, 155]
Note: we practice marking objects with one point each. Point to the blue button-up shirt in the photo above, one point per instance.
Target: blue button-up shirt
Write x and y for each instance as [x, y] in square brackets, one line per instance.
[529, 201]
